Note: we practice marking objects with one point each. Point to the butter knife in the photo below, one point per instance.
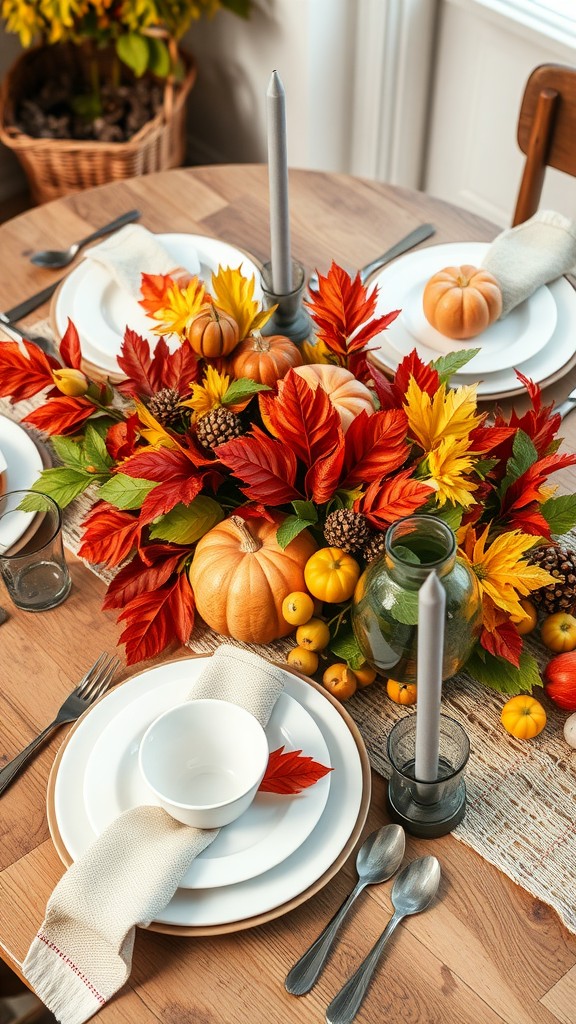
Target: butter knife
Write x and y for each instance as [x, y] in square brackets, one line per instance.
[28, 305]
[420, 234]
[567, 405]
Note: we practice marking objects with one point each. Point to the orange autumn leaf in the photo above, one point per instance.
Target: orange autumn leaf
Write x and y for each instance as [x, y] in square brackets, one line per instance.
[342, 308]
[291, 772]
[154, 289]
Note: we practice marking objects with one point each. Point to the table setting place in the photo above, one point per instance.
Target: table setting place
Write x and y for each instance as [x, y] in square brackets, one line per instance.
[293, 477]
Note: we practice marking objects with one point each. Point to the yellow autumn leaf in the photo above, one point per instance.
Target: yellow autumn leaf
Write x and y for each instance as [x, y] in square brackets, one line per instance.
[209, 394]
[152, 430]
[447, 413]
[234, 293]
[503, 574]
[181, 306]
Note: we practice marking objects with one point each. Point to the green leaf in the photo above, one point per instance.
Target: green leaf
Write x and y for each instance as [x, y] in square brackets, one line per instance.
[126, 492]
[185, 524]
[159, 61]
[452, 362]
[241, 389]
[68, 451]
[290, 529]
[306, 510]
[523, 456]
[451, 515]
[96, 453]
[499, 674]
[560, 513]
[62, 484]
[345, 646]
[483, 467]
[133, 50]
[406, 555]
[405, 607]
[35, 502]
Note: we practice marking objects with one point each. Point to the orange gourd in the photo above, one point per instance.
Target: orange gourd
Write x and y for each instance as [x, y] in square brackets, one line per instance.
[265, 359]
[347, 394]
[461, 302]
[213, 333]
[523, 717]
[331, 575]
[401, 693]
[240, 576]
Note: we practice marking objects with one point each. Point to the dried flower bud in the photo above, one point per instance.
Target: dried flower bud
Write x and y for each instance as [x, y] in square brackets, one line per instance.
[70, 382]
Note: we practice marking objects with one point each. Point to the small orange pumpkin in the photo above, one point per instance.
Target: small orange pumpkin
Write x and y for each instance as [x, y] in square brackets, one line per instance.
[240, 576]
[523, 717]
[213, 333]
[265, 359]
[347, 394]
[460, 302]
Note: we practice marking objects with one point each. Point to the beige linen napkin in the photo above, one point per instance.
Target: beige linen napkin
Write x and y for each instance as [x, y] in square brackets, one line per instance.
[82, 953]
[531, 254]
[133, 251]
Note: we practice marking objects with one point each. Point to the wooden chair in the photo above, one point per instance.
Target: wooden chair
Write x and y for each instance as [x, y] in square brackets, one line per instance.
[546, 132]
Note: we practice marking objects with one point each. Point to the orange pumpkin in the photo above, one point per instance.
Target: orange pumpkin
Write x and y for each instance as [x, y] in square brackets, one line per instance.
[240, 576]
[401, 693]
[347, 394]
[460, 302]
[213, 333]
[265, 359]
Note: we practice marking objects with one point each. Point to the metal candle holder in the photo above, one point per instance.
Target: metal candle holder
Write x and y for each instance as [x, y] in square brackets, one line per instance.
[289, 318]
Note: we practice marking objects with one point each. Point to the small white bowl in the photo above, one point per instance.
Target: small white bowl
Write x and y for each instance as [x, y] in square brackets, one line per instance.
[204, 760]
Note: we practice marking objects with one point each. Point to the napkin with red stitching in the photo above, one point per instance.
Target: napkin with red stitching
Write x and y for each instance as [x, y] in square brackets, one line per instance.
[534, 253]
[82, 953]
[134, 250]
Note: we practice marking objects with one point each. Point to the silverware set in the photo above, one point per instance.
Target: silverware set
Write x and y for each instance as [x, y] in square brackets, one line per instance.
[378, 859]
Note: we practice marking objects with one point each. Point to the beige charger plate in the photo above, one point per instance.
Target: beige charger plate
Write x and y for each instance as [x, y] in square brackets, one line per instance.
[283, 908]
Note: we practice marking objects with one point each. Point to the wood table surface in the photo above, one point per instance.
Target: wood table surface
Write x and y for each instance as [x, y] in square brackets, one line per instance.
[487, 951]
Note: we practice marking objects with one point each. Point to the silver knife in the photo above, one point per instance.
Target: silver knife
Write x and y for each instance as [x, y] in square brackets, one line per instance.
[23, 308]
[567, 405]
[420, 234]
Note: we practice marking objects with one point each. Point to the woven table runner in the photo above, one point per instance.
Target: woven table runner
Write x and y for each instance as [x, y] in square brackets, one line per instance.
[521, 812]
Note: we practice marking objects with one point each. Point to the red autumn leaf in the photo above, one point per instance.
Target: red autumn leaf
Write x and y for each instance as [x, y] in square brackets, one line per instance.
[374, 446]
[384, 503]
[154, 289]
[257, 511]
[61, 415]
[486, 440]
[321, 480]
[342, 308]
[164, 497]
[291, 772]
[158, 464]
[141, 576]
[70, 347]
[304, 419]
[156, 618]
[179, 369]
[110, 535]
[147, 373]
[526, 488]
[504, 641]
[267, 466]
[529, 520]
[23, 374]
[387, 393]
[121, 438]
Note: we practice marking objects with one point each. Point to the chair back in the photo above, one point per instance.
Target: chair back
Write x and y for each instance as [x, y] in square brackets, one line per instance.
[546, 132]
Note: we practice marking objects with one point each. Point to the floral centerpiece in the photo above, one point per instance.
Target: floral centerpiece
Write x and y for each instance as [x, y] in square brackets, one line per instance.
[229, 440]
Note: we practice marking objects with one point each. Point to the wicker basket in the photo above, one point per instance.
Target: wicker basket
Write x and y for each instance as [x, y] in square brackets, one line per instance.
[58, 167]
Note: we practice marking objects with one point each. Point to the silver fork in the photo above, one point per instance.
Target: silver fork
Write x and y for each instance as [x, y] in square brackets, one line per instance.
[93, 685]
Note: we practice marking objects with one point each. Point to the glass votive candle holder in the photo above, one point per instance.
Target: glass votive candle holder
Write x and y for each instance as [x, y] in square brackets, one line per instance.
[427, 809]
[32, 563]
[289, 318]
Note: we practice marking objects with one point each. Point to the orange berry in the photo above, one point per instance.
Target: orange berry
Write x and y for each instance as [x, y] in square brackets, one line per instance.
[303, 660]
[529, 620]
[313, 635]
[401, 693]
[297, 608]
[340, 681]
[365, 675]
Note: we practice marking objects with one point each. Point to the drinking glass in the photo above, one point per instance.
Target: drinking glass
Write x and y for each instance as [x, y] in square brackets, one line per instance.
[32, 563]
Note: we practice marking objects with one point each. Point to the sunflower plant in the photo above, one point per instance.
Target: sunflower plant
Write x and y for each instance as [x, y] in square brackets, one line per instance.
[183, 441]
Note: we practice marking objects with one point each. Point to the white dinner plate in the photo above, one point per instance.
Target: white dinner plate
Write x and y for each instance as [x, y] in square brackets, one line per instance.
[23, 467]
[550, 364]
[256, 896]
[270, 830]
[521, 335]
[101, 309]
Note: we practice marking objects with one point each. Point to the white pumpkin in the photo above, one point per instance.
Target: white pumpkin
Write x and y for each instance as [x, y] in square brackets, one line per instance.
[348, 395]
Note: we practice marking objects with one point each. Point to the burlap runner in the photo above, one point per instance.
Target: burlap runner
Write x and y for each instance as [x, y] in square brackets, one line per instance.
[521, 813]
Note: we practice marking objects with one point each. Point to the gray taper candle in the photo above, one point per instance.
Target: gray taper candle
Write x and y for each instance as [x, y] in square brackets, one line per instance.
[280, 259]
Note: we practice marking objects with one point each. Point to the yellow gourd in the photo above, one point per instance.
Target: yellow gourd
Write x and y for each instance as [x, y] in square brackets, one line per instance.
[331, 575]
[523, 717]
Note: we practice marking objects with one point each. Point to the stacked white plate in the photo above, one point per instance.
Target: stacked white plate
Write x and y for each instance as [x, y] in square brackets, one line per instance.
[20, 466]
[101, 309]
[537, 338]
[260, 866]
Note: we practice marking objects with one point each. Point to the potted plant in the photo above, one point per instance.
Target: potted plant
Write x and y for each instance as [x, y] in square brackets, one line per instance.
[100, 90]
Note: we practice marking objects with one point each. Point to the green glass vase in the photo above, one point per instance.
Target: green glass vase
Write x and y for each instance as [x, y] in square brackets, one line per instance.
[385, 604]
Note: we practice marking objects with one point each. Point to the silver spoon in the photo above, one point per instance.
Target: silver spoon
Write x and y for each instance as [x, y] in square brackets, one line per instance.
[378, 858]
[54, 258]
[420, 234]
[413, 890]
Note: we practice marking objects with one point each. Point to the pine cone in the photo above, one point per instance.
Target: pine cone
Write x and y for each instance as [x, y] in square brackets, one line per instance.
[218, 426]
[347, 530]
[375, 546]
[560, 563]
[165, 407]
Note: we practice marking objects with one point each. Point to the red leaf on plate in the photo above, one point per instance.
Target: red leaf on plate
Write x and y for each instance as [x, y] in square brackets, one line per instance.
[61, 415]
[291, 772]
[155, 619]
[154, 289]
[143, 575]
[110, 535]
[23, 374]
[70, 347]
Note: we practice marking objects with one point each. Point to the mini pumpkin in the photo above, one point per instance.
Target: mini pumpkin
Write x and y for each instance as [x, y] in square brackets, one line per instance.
[331, 575]
[240, 576]
[213, 333]
[265, 359]
[347, 394]
[523, 717]
[401, 693]
[461, 302]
